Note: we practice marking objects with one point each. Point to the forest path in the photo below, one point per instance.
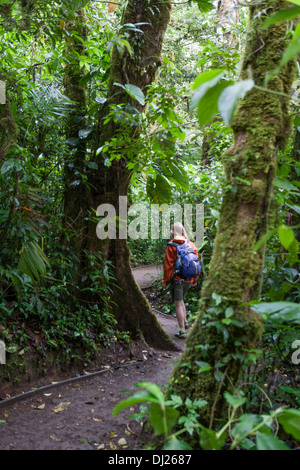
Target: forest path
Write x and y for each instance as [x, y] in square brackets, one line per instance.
[76, 414]
[146, 275]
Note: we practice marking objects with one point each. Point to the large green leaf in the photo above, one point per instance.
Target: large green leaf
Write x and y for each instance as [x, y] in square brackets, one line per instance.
[235, 400]
[210, 77]
[290, 421]
[153, 389]
[138, 397]
[293, 47]
[176, 174]
[286, 236]
[229, 97]
[285, 184]
[11, 164]
[204, 5]
[268, 442]
[283, 15]
[283, 311]
[158, 189]
[245, 426]
[210, 440]
[208, 104]
[164, 142]
[134, 91]
[33, 261]
[162, 418]
[176, 444]
[203, 83]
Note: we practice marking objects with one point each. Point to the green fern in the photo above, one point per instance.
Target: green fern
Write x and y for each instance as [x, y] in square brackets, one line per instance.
[33, 261]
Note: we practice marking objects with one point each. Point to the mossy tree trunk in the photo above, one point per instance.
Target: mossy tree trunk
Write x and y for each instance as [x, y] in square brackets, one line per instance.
[76, 193]
[136, 67]
[226, 327]
[8, 128]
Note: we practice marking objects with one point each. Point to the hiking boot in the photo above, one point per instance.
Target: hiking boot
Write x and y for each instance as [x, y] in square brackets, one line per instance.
[181, 335]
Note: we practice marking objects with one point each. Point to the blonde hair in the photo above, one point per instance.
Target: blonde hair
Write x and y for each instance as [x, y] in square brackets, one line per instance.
[178, 229]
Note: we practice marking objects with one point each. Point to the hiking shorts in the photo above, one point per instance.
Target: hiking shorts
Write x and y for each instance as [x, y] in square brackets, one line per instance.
[179, 291]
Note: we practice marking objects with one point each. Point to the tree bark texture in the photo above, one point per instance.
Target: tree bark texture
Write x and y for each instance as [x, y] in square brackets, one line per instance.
[8, 128]
[226, 327]
[138, 68]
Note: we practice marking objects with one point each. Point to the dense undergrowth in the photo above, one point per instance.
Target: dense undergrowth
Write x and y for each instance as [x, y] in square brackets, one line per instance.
[55, 316]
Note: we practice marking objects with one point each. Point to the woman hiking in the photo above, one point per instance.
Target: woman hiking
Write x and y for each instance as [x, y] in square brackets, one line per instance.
[180, 284]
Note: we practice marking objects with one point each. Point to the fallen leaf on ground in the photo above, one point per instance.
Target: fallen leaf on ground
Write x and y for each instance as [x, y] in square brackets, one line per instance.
[130, 430]
[38, 407]
[61, 407]
[122, 442]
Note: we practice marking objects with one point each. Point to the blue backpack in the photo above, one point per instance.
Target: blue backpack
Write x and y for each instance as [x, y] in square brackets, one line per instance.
[187, 265]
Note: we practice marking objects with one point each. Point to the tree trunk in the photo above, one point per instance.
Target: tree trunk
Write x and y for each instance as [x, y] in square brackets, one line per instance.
[131, 308]
[8, 129]
[226, 327]
[76, 193]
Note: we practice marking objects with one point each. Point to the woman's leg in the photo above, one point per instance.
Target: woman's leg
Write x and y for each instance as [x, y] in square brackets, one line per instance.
[180, 312]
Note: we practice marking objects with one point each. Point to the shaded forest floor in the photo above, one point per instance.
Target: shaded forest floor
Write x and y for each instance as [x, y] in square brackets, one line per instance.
[77, 414]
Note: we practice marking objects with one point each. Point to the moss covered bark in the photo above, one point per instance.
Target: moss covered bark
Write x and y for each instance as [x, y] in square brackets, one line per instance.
[8, 128]
[226, 328]
[76, 195]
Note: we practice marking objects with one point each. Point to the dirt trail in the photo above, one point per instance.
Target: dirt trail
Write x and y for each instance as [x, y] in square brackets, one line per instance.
[145, 275]
[77, 415]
